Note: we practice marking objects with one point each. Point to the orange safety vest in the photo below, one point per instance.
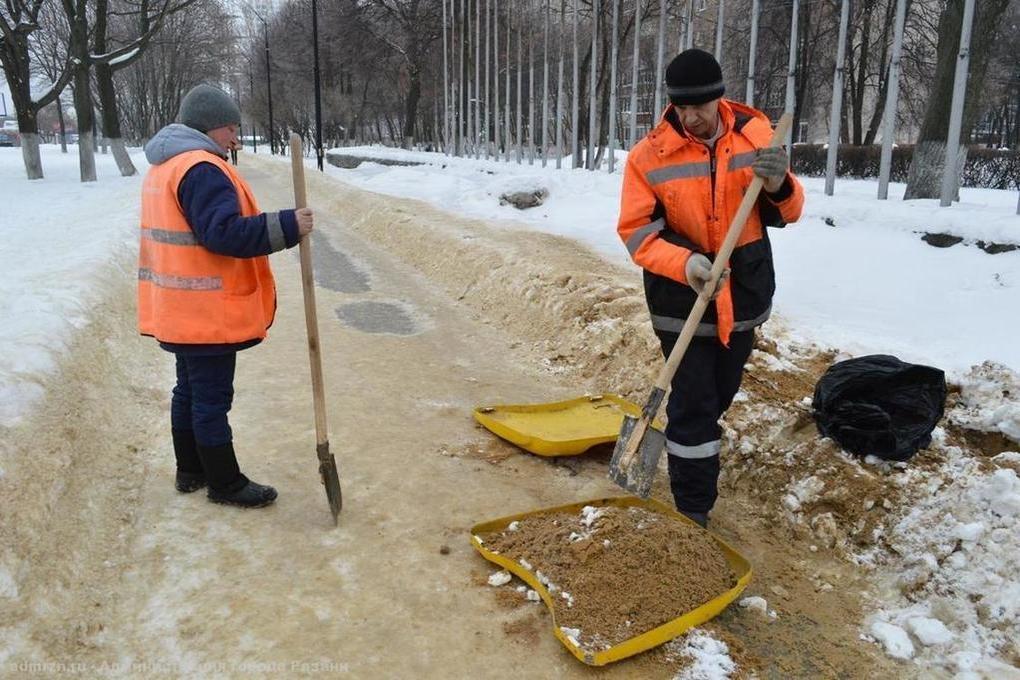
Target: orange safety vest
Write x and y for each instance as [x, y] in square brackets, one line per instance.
[679, 198]
[186, 293]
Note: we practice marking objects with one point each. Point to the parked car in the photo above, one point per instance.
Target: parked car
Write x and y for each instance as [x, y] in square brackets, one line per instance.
[8, 138]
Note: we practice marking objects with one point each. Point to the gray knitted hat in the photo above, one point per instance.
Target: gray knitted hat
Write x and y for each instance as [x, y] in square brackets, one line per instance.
[206, 108]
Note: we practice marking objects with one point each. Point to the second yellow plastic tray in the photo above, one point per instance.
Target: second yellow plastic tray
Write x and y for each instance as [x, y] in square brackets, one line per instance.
[562, 428]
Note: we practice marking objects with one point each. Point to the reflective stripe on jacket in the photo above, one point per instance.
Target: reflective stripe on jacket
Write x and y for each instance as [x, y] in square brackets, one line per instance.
[186, 293]
[679, 197]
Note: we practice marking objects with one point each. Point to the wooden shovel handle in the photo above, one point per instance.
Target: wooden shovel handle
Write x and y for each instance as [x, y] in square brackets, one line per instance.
[721, 262]
[308, 286]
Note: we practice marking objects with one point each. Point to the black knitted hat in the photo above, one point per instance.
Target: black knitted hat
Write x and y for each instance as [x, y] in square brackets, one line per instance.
[694, 77]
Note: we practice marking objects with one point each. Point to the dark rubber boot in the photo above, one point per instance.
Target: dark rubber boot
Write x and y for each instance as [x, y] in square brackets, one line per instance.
[251, 495]
[190, 475]
[699, 518]
[226, 483]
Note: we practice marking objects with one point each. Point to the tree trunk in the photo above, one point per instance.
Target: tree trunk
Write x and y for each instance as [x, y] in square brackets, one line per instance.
[19, 80]
[884, 66]
[30, 154]
[28, 128]
[111, 121]
[79, 47]
[413, 96]
[925, 177]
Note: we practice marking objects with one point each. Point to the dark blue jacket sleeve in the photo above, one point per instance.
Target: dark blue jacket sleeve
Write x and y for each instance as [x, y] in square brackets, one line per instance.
[210, 205]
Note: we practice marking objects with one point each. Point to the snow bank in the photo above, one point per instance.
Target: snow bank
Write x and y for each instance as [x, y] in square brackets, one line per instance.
[57, 234]
[990, 400]
[954, 554]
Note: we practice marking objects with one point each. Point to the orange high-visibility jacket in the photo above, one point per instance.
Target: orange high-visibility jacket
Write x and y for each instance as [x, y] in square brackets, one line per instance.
[186, 293]
[679, 198]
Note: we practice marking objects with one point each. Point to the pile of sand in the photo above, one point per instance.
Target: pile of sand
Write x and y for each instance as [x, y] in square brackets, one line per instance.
[616, 573]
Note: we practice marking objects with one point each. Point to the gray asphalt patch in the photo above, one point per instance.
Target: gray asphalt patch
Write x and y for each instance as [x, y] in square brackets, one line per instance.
[334, 270]
[377, 317]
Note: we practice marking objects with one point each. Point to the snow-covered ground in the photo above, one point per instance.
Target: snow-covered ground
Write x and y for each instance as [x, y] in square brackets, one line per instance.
[868, 284]
[57, 234]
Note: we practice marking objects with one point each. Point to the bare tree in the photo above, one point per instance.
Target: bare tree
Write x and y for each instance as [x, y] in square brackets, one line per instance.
[49, 57]
[924, 180]
[417, 23]
[18, 21]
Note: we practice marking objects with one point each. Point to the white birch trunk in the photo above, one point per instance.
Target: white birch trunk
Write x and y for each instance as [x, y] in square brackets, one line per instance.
[632, 137]
[506, 109]
[752, 53]
[545, 90]
[559, 86]
[891, 101]
[488, 82]
[519, 115]
[446, 86]
[531, 99]
[719, 32]
[951, 172]
[87, 156]
[837, 102]
[612, 88]
[30, 155]
[575, 103]
[120, 155]
[479, 138]
[660, 72]
[791, 74]
[496, 118]
[589, 162]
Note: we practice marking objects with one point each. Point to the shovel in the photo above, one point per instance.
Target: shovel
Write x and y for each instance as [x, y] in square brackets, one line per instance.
[639, 446]
[327, 464]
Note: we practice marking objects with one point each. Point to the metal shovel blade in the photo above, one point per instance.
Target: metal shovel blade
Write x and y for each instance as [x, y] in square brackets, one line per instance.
[330, 479]
[637, 478]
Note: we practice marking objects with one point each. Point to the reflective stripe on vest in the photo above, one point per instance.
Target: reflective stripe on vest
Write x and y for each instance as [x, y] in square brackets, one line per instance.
[672, 324]
[186, 293]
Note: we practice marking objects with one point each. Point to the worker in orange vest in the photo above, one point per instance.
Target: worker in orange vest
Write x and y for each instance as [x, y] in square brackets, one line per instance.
[682, 186]
[205, 289]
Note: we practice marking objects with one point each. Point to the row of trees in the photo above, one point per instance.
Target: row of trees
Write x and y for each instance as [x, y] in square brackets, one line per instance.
[543, 79]
[482, 75]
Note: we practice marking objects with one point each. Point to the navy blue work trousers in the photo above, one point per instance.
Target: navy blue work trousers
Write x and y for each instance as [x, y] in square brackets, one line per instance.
[702, 389]
[203, 396]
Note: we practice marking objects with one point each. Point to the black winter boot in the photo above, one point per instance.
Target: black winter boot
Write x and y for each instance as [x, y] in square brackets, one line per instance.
[699, 518]
[226, 483]
[190, 476]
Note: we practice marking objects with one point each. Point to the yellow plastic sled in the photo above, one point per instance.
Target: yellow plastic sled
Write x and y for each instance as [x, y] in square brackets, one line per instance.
[635, 645]
[562, 428]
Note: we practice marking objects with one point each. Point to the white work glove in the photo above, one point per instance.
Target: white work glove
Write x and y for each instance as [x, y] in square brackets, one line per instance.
[698, 270]
[771, 164]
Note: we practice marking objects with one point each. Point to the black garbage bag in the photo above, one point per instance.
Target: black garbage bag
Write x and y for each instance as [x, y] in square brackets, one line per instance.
[879, 405]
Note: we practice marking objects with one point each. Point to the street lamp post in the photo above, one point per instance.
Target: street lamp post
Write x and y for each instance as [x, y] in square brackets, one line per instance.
[269, 86]
[254, 128]
[318, 88]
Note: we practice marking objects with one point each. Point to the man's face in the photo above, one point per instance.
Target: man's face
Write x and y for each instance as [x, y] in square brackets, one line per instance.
[701, 120]
[226, 136]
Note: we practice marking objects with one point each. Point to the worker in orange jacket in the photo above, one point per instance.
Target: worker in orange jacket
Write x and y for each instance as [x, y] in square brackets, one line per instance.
[205, 289]
[681, 188]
